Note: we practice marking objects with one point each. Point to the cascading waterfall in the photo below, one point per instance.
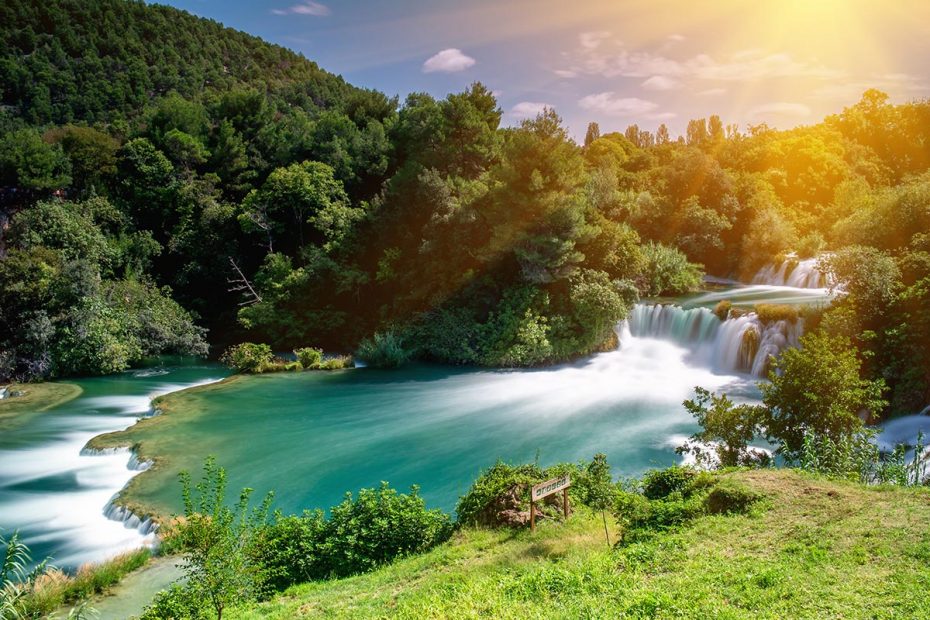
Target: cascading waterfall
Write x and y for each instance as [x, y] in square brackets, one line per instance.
[740, 344]
[792, 272]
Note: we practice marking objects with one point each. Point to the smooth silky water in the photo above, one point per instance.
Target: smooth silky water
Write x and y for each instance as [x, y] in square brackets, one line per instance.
[313, 436]
[54, 494]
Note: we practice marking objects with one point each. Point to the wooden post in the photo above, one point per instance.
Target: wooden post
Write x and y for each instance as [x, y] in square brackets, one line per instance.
[532, 516]
[565, 502]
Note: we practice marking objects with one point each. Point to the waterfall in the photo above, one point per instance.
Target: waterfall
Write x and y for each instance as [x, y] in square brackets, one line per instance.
[741, 344]
[791, 272]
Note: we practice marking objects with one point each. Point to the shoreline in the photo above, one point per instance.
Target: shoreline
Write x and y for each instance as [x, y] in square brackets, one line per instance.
[36, 398]
[149, 517]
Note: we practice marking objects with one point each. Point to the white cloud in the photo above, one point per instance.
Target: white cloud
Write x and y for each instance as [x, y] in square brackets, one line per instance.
[528, 109]
[608, 103]
[780, 108]
[592, 40]
[755, 65]
[713, 92]
[676, 37]
[660, 82]
[448, 61]
[661, 116]
[309, 7]
[610, 58]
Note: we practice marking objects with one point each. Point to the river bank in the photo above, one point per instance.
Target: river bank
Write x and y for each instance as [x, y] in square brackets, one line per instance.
[23, 400]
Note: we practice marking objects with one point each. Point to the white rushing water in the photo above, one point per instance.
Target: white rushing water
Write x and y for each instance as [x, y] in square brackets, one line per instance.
[793, 273]
[58, 495]
[736, 345]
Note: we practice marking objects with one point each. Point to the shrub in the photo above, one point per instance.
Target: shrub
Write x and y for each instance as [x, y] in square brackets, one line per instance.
[175, 603]
[771, 313]
[722, 309]
[337, 363]
[668, 272]
[731, 497]
[291, 550]
[661, 483]
[309, 357]
[248, 357]
[811, 245]
[474, 507]
[383, 350]
[378, 526]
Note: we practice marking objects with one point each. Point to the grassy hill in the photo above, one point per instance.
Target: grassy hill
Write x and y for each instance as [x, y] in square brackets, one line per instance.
[813, 549]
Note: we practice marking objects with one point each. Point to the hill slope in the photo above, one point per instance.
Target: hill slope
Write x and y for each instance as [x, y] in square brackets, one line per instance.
[94, 60]
[819, 549]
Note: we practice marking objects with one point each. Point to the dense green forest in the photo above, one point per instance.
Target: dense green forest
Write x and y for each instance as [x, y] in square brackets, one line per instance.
[162, 175]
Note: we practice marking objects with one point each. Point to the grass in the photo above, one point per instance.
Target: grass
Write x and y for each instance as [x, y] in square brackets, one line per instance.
[818, 549]
[35, 398]
[55, 588]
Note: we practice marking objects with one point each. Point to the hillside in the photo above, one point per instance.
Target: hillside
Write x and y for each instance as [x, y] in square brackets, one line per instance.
[816, 549]
[76, 60]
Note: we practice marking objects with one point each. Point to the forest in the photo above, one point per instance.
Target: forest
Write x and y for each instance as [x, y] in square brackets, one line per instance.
[168, 185]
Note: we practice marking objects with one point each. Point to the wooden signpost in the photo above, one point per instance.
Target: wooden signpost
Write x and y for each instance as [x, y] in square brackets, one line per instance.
[545, 489]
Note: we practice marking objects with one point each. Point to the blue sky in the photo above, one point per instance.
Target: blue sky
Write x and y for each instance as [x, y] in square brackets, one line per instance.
[783, 62]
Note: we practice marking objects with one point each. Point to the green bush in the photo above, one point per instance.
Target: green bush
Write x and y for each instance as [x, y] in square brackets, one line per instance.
[811, 245]
[380, 525]
[383, 350]
[473, 507]
[248, 357]
[722, 309]
[362, 533]
[771, 313]
[668, 272]
[337, 363]
[291, 550]
[175, 603]
[309, 357]
[730, 497]
[661, 483]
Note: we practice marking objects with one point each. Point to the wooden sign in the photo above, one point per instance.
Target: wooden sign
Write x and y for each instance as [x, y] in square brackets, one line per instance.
[545, 489]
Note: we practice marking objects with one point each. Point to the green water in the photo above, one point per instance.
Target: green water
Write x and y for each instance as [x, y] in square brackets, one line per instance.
[310, 437]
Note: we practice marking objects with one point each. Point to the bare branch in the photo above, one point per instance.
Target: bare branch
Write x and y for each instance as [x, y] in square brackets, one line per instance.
[242, 284]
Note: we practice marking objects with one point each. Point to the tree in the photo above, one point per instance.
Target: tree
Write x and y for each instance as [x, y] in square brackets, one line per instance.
[726, 430]
[301, 194]
[216, 539]
[667, 271]
[592, 134]
[601, 492]
[29, 163]
[817, 389]
[662, 136]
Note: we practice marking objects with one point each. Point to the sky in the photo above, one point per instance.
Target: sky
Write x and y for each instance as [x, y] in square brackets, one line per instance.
[616, 62]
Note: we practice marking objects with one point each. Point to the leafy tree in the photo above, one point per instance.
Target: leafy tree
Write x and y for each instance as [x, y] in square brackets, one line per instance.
[667, 271]
[817, 389]
[29, 163]
[593, 133]
[726, 430]
[216, 538]
[307, 193]
[601, 490]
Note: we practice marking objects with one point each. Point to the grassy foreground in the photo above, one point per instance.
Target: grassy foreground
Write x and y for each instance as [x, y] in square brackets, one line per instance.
[815, 549]
[35, 398]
